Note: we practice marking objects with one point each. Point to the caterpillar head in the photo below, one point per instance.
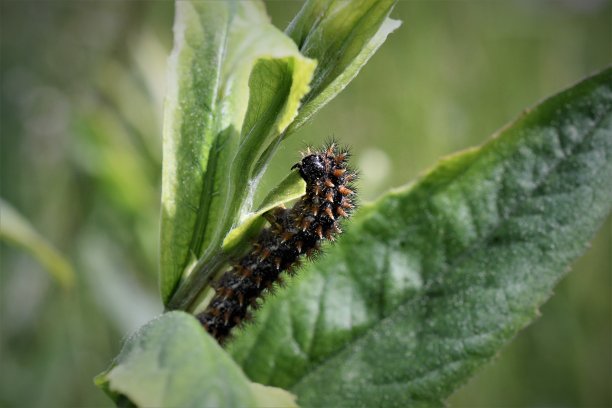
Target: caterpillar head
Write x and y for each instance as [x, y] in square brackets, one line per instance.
[311, 167]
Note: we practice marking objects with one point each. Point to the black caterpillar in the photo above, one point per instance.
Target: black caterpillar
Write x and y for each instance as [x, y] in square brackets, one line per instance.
[292, 233]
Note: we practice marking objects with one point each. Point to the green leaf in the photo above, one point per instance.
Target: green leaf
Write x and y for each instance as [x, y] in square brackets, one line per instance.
[15, 229]
[172, 362]
[235, 85]
[342, 36]
[430, 281]
[291, 188]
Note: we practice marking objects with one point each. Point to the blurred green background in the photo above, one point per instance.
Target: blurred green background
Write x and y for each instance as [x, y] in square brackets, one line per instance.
[81, 99]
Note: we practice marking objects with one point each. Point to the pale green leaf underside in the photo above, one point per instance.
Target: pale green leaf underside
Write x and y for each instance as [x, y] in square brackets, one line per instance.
[172, 362]
[15, 229]
[431, 281]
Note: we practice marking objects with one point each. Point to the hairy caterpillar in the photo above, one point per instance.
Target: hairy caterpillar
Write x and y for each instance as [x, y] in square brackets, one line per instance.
[292, 233]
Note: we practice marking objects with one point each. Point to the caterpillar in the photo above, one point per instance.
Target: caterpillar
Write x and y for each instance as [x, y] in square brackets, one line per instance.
[292, 233]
